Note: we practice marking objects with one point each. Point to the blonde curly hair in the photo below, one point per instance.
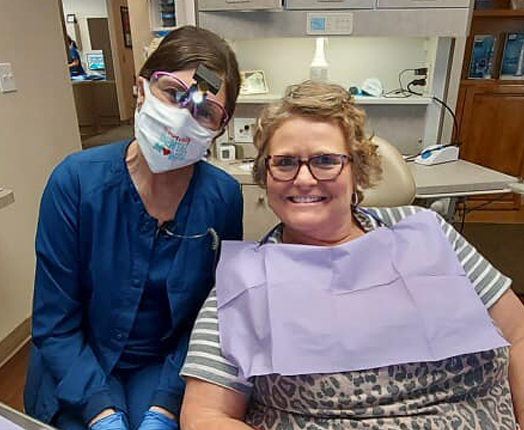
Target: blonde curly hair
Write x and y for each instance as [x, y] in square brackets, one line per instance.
[320, 102]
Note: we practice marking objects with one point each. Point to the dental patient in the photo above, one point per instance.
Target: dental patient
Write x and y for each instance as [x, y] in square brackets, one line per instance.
[343, 317]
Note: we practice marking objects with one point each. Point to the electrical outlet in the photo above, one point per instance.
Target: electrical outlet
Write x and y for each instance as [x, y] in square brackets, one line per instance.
[7, 78]
[244, 128]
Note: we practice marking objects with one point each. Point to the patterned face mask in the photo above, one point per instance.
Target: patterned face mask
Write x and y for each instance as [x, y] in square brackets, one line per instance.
[168, 136]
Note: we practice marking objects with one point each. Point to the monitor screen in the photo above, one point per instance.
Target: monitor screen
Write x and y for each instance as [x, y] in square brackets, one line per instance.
[95, 61]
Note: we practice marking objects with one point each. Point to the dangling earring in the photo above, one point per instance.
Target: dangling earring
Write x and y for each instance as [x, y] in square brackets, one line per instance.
[354, 199]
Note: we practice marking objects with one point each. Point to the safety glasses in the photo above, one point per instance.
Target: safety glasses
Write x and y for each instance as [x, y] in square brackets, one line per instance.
[323, 167]
[206, 112]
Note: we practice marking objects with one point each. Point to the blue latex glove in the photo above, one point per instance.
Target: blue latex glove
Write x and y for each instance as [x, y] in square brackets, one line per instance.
[111, 422]
[156, 421]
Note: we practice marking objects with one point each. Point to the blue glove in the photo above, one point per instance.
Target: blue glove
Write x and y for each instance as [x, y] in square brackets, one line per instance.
[156, 421]
[111, 422]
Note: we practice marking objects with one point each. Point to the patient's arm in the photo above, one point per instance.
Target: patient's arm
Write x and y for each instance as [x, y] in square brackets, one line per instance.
[508, 314]
[208, 406]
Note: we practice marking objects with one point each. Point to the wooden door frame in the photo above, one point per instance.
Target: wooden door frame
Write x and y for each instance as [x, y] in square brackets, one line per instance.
[62, 21]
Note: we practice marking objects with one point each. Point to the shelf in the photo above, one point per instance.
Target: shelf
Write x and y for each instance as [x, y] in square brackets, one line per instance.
[6, 197]
[415, 100]
[492, 82]
[258, 98]
[499, 13]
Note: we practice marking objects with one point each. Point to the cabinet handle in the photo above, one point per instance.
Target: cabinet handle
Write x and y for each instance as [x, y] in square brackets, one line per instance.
[238, 1]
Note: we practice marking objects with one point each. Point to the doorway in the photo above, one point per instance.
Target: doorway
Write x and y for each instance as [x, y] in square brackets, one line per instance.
[103, 93]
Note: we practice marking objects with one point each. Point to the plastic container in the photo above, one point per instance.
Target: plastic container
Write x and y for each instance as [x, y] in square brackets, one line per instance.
[318, 69]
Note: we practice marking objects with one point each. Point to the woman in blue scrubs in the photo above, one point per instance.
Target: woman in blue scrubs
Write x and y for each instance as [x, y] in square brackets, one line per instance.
[127, 242]
[74, 61]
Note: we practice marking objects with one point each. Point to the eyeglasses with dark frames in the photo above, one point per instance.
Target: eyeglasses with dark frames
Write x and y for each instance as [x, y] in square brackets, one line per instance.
[206, 112]
[323, 167]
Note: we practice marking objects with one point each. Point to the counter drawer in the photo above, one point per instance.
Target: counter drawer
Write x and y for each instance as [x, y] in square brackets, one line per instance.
[430, 4]
[329, 4]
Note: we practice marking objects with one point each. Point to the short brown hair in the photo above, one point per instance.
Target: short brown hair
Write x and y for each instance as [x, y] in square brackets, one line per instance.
[319, 102]
[187, 47]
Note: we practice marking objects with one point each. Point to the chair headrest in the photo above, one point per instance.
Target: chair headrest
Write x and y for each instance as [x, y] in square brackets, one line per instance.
[397, 186]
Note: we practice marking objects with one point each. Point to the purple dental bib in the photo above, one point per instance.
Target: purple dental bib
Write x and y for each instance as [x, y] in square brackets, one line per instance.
[395, 295]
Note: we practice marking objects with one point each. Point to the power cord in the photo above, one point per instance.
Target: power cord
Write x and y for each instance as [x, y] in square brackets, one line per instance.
[456, 129]
[464, 210]
[403, 92]
[408, 91]
[496, 199]
[422, 82]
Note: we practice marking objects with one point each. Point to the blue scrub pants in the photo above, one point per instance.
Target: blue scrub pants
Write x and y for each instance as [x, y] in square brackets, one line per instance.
[132, 391]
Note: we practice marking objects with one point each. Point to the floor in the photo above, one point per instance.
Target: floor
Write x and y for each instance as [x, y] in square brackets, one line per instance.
[502, 245]
[12, 379]
[111, 135]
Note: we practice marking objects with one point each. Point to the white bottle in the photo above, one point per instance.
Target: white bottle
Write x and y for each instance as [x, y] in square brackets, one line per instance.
[318, 70]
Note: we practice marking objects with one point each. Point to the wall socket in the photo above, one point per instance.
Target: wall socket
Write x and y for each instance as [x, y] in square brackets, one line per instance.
[244, 128]
[7, 78]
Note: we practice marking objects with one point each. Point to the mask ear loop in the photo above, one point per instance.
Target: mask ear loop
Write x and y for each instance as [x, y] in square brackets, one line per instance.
[146, 91]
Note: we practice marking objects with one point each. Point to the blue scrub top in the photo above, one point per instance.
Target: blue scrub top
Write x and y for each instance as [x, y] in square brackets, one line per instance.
[149, 340]
[97, 249]
[73, 55]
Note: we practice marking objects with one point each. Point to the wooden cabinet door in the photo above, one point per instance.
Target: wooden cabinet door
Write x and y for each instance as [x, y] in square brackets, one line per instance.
[492, 126]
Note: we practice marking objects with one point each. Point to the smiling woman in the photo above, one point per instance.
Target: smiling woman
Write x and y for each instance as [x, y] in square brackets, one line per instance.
[314, 209]
[344, 317]
[318, 123]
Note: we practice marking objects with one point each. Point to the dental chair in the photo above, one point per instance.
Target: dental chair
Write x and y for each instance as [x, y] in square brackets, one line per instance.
[397, 186]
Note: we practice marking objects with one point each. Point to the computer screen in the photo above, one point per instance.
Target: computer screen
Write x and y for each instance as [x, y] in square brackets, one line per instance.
[95, 60]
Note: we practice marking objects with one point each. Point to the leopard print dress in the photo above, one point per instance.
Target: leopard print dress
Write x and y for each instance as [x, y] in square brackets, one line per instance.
[468, 392]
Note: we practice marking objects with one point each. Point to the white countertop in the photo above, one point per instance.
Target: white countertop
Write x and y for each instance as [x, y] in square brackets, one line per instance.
[241, 171]
[359, 100]
[458, 178]
[6, 197]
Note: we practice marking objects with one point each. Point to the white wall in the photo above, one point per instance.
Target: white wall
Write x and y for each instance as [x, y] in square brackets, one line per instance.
[83, 9]
[37, 129]
[351, 60]
[140, 30]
